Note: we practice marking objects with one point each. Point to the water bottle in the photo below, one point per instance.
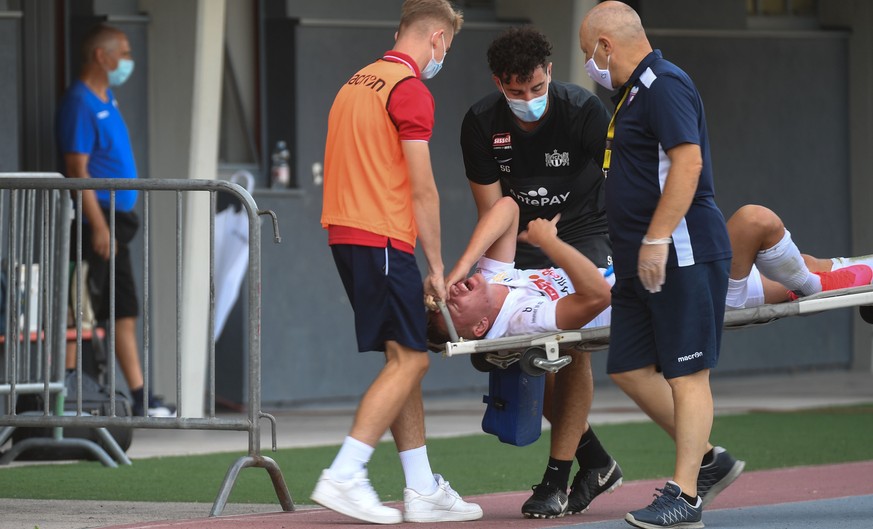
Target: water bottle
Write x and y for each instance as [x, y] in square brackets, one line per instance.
[280, 172]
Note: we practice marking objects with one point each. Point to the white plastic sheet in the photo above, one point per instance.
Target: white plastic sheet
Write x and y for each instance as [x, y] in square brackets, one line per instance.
[231, 253]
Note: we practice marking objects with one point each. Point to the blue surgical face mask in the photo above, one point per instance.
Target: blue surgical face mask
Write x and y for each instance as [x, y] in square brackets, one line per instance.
[528, 111]
[121, 73]
[433, 67]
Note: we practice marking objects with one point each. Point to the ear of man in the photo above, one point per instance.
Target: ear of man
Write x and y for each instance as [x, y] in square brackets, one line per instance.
[481, 327]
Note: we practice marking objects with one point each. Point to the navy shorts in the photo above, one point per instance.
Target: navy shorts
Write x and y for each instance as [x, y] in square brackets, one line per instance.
[385, 289]
[678, 330]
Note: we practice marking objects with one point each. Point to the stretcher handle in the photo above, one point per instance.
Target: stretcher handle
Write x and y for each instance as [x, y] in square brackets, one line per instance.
[450, 326]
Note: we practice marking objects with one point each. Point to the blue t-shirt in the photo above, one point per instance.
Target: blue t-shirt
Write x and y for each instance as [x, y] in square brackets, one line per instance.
[87, 125]
[662, 110]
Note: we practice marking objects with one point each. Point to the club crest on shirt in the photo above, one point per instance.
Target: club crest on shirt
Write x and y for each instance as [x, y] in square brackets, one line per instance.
[632, 94]
[556, 159]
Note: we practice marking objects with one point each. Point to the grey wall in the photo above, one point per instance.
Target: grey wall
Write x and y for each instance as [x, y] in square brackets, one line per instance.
[10, 70]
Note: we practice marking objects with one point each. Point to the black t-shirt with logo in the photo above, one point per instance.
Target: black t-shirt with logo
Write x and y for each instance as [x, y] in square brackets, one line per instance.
[556, 168]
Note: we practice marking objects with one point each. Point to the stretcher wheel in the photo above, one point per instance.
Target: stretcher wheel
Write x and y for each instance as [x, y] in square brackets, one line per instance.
[866, 312]
[480, 363]
[527, 361]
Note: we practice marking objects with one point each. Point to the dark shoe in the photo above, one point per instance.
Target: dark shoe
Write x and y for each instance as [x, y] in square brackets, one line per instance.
[668, 510]
[547, 501]
[591, 483]
[157, 408]
[716, 476]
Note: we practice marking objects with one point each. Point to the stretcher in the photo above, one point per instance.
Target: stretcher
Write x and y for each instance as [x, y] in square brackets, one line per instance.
[541, 353]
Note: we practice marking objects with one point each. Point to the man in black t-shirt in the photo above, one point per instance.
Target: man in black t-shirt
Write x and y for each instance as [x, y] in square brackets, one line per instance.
[541, 142]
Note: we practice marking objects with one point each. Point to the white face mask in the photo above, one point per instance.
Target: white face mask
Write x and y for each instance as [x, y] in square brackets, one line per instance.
[599, 76]
[433, 67]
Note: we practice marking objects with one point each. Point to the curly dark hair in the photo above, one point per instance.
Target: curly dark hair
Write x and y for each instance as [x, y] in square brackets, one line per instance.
[518, 52]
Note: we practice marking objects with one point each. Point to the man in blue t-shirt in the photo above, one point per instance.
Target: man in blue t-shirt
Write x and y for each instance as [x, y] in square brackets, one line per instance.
[94, 142]
[672, 256]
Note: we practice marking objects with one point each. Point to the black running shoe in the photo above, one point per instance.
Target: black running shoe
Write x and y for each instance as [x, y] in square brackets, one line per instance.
[590, 483]
[547, 501]
[716, 476]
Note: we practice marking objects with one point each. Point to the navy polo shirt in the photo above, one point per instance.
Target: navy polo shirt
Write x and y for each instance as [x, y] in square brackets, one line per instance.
[662, 110]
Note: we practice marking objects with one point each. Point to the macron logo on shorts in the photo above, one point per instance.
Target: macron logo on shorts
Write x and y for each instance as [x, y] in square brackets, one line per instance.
[692, 356]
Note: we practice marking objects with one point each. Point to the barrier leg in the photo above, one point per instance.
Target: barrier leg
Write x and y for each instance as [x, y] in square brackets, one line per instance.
[46, 442]
[250, 461]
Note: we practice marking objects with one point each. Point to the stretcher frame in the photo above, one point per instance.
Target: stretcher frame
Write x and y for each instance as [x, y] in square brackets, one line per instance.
[541, 352]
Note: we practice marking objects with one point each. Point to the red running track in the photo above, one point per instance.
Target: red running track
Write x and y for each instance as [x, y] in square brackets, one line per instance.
[764, 487]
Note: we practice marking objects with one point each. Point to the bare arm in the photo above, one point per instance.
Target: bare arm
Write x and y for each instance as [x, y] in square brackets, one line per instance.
[426, 208]
[485, 196]
[686, 164]
[77, 167]
[494, 237]
[591, 294]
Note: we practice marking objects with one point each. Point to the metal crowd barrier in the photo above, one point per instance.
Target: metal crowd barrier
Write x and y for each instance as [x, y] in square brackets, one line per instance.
[35, 363]
[34, 245]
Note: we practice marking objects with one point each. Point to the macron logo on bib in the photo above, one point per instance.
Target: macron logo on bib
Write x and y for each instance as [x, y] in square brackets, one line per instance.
[103, 114]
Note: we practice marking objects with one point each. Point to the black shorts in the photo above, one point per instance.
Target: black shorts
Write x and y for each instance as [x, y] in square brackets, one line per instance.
[597, 248]
[385, 289]
[126, 302]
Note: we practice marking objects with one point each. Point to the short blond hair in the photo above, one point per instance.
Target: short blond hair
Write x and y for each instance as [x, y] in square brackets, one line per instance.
[442, 11]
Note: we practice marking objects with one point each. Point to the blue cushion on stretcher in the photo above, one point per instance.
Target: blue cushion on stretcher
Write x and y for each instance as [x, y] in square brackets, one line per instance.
[515, 406]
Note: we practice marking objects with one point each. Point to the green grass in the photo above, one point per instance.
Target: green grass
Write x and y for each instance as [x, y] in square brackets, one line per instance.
[475, 464]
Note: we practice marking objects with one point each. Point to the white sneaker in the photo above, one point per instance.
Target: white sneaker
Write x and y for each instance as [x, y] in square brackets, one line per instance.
[444, 505]
[354, 497]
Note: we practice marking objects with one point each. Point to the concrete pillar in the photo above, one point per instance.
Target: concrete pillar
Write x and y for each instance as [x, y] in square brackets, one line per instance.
[186, 45]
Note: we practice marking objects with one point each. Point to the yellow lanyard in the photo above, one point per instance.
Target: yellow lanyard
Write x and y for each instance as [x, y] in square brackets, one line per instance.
[610, 134]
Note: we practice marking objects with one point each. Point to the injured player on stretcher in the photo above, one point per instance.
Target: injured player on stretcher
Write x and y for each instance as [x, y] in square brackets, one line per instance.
[500, 300]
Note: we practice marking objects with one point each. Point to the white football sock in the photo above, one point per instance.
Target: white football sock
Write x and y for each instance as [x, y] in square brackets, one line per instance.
[784, 264]
[353, 456]
[416, 469]
[747, 292]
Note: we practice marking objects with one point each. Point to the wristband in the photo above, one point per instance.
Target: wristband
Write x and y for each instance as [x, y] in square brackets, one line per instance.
[665, 240]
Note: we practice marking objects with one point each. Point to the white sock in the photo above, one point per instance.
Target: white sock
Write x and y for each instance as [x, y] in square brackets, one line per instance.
[416, 469]
[353, 456]
[842, 262]
[745, 293]
[736, 293]
[783, 263]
